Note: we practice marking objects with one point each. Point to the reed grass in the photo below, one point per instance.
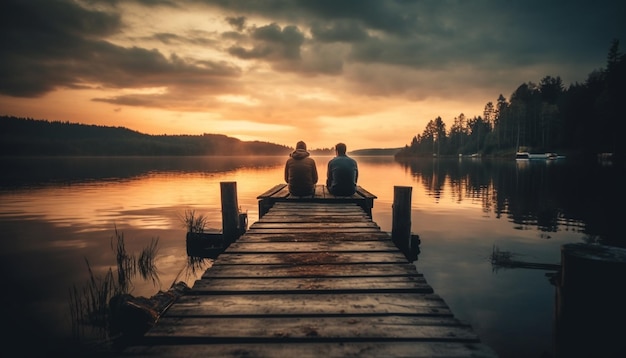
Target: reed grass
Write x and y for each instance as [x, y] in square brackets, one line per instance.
[89, 304]
[194, 222]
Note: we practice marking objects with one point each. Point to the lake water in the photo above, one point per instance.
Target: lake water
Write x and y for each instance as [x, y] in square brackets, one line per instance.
[57, 214]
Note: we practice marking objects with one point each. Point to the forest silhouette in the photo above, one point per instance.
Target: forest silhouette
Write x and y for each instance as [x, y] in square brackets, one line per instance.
[27, 136]
[582, 120]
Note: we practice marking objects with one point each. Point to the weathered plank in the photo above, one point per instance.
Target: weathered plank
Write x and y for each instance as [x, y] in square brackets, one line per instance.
[282, 191]
[304, 212]
[309, 304]
[314, 328]
[321, 218]
[414, 284]
[365, 193]
[305, 230]
[314, 236]
[273, 190]
[354, 270]
[336, 246]
[314, 225]
[280, 194]
[311, 258]
[370, 349]
[313, 206]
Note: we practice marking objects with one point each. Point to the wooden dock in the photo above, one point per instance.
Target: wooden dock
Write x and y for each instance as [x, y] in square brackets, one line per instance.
[280, 193]
[311, 279]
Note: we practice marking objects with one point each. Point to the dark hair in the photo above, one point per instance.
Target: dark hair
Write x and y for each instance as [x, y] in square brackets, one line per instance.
[340, 148]
[301, 145]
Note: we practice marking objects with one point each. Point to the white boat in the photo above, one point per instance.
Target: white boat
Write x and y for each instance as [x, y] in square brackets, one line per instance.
[529, 156]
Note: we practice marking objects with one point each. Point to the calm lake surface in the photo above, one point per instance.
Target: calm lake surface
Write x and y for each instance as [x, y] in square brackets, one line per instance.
[57, 214]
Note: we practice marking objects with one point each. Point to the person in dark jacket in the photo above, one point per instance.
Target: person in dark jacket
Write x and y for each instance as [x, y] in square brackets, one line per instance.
[301, 171]
[342, 173]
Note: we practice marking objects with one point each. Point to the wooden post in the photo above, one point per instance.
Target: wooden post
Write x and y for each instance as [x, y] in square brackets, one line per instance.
[401, 221]
[265, 205]
[589, 302]
[230, 211]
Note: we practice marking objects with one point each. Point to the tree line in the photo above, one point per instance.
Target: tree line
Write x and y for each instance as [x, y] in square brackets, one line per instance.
[582, 120]
[27, 136]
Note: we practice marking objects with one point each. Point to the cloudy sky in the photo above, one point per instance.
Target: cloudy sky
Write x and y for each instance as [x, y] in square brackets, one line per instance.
[370, 73]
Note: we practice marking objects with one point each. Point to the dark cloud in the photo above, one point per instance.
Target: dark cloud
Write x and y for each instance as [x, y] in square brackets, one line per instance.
[51, 44]
[48, 44]
[480, 34]
[346, 31]
[273, 43]
[171, 3]
[238, 23]
[389, 16]
[39, 41]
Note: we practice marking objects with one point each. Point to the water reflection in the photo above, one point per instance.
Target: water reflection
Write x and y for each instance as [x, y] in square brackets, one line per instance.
[543, 195]
[20, 172]
[56, 212]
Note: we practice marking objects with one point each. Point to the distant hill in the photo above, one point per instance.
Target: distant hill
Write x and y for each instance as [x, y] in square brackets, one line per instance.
[26, 136]
[376, 151]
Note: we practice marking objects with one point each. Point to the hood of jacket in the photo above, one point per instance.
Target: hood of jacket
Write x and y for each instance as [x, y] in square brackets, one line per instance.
[299, 154]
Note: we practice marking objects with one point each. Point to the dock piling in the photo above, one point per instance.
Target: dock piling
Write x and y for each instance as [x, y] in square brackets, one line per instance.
[230, 211]
[589, 302]
[401, 222]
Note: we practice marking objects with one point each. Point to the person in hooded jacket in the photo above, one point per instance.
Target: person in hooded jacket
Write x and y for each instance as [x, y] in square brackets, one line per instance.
[301, 171]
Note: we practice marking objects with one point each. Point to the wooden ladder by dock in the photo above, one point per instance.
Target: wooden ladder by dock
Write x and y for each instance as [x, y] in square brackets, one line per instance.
[311, 279]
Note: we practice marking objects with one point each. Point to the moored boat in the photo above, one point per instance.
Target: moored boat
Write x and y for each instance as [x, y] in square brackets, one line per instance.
[529, 156]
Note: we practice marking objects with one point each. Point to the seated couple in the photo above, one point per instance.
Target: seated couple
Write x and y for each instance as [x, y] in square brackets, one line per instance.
[301, 172]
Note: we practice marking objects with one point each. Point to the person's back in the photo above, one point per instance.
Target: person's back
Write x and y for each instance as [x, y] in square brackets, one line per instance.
[342, 173]
[301, 172]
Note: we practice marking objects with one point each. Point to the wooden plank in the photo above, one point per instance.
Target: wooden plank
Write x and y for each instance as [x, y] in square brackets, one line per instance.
[328, 198]
[312, 230]
[293, 213]
[316, 328]
[315, 236]
[311, 208]
[309, 304]
[365, 193]
[312, 211]
[335, 246]
[272, 191]
[318, 204]
[282, 193]
[322, 218]
[322, 191]
[354, 270]
[311, 258]
[396, 284]
[259, 225]
[369, 349]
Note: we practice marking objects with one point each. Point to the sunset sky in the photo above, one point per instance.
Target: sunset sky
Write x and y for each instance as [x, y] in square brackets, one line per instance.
[365, 72]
